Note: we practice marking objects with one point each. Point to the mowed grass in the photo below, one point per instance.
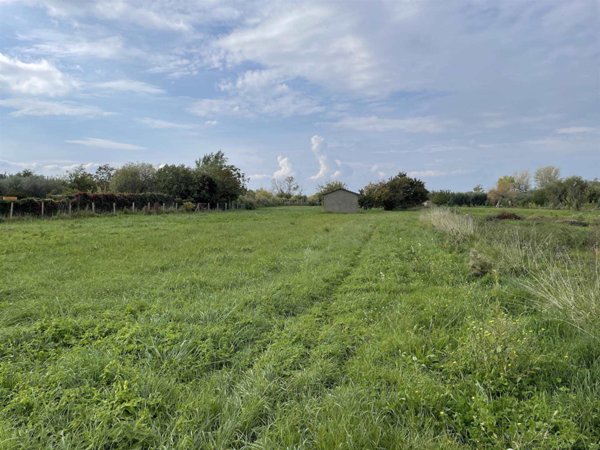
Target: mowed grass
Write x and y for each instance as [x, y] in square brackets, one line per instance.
[277, 328]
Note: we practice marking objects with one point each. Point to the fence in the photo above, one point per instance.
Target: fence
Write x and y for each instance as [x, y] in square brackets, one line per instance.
[97, 206]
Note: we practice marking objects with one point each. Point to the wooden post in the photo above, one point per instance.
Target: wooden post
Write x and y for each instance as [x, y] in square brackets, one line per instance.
[148, 206]
[42, 209]
[12, 207]
[176, 206]
[209, 206]
[163, 206]
[70, 207]
[114, 208]
[133, 207]
[93, 208]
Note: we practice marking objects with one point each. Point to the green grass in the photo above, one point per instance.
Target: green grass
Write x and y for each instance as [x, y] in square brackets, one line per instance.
[281, 328]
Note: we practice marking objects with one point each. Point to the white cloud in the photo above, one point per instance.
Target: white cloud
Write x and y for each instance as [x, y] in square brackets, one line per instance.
[68, 46]
[34, 107]
[164, 124]
[409, 125]
[33, 78]
[254, 93]
[138, 87]
[434, 173]
[285, 168]
[317, 143]
[575, 130]
[104, 143]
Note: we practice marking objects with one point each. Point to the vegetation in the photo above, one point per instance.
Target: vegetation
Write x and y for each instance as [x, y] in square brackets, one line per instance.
[398, 192]
[290, 328]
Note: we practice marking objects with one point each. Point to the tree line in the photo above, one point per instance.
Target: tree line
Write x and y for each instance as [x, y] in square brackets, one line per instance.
[545, 189]
[212, 179]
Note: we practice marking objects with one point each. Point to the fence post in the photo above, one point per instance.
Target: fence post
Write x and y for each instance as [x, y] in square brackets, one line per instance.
[209, 206]
[133, 207]
[163, 207]
[70, 207]
[42, 209]
[148, 206]
[12, 207]
[93, 208]
[114, 208]
[176, 206]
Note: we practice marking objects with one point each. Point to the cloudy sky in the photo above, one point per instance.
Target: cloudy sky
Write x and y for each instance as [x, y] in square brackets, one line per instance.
[456, 93]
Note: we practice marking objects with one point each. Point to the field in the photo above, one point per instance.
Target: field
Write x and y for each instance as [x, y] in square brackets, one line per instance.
[292, 328]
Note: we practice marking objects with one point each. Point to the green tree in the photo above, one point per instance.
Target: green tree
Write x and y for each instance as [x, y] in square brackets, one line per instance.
[229, 179]
[404, 192]
[80, 180]
[134, 178]
[329, 187]
[576, 190]
[103, 176]
[178, 181]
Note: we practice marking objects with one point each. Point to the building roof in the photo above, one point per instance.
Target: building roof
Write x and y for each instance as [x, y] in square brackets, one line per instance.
[341, 189]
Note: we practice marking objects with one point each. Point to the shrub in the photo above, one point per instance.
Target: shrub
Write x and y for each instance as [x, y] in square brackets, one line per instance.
[398, 192]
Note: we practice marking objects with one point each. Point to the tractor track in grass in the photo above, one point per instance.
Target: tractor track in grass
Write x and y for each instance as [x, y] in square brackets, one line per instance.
[284, 333]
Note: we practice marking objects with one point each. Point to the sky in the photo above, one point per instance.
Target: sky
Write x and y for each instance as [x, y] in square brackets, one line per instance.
[454, 93]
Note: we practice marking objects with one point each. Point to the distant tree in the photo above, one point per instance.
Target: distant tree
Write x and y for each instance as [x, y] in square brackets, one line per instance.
[286, 187]
[103, 177]
[178, 181]
[545, 176]
[37, 186]
[504, 193]
[576, 190]
[134, 178]
[230, 181]
[521, 182]
[329, 187]
[404, 192]
[372, 195]
[80, 180]
[478, 189]
[25, 173]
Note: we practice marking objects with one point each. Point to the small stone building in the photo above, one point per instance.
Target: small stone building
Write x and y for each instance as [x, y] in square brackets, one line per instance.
[341, 200]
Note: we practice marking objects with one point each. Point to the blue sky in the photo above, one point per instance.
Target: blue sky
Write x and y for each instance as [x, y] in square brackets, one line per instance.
[456, 93]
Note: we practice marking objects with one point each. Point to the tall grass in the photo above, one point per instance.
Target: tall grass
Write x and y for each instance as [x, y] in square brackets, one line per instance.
[459, 226]
[567, 288]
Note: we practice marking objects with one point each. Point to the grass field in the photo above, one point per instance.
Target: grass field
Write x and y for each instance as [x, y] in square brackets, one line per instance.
[292, 328]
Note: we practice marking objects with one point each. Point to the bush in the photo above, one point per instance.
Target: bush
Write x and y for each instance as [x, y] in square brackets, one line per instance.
[448, 198]
[398, 192]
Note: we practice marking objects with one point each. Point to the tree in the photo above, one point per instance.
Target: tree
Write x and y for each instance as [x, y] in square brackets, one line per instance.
[25, 173]
[575, 192]
[404, 192]
[504, 192]
[545, 176]
[103, 176]
[522, 182]
[478, 189]
[134, 178]
[80, 180]
[286, 187]
[178, 181]
[372, 195]
[230, 181]
[329, 187]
